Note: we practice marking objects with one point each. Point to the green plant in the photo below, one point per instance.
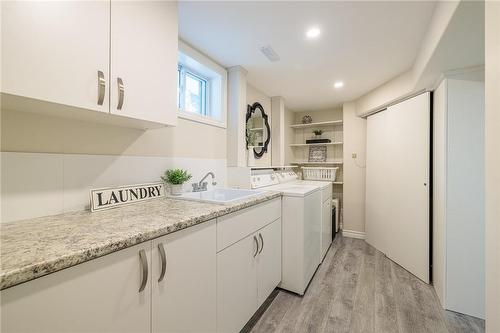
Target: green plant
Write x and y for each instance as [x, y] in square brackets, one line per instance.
[176, 176]
[251, 137]
[318, 132]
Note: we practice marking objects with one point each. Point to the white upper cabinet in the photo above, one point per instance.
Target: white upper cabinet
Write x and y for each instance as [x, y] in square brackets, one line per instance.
[52, 51]
[144, 42]
[67, 57]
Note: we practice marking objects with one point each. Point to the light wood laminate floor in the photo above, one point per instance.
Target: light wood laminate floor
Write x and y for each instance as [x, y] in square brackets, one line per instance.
[357, 289]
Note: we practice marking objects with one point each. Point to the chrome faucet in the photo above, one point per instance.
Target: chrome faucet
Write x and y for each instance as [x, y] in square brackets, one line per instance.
[202, 185]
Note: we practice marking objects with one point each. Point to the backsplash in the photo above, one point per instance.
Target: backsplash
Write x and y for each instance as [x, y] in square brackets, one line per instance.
[40, 184]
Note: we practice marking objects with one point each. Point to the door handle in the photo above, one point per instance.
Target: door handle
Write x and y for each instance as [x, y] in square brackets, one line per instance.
[163, 258]
[257, 244]
[101, 87]
[262, 241]
[121, 93]
[144, 265]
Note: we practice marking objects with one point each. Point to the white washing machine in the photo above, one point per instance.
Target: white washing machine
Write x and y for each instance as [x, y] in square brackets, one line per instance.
[301, 228]
[326, 206]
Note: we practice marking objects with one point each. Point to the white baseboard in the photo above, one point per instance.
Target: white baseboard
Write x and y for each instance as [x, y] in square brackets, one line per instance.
[353, 234]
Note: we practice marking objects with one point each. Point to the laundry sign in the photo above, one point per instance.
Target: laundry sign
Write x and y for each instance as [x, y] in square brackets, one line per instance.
[105, 198]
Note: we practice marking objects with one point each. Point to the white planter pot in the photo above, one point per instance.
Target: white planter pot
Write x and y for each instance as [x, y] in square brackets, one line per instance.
[176, 189]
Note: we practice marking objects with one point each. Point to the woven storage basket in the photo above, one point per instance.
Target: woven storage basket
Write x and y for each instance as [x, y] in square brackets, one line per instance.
[319, 173]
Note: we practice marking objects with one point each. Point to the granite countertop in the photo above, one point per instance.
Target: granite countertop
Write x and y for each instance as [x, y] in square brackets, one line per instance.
[40, 246]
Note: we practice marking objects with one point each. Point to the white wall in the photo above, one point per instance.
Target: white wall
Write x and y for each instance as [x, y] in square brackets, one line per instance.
[492, 163]
[289, 135]
[40, 184]
[439, 192]
[465, 198]
[236, 112]
[30, 132]
[278, 127]
[255, 95]
[455, 25]
[458, 199]
[354, 170]
[49, 164]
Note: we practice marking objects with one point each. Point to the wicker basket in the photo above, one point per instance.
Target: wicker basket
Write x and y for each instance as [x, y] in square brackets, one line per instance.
[319, 173]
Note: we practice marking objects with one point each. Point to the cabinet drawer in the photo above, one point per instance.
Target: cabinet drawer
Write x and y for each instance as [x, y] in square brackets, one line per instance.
[233, 227]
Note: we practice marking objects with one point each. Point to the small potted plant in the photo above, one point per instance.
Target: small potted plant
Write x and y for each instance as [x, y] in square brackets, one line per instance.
[251, 138]
[317, 133]
[175, 178]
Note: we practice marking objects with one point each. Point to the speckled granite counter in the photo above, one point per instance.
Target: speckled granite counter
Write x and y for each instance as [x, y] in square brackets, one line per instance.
[36, 247]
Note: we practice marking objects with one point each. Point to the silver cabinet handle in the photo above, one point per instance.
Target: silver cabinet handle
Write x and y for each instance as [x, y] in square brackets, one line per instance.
[121, 93]
[256, 243]
[144, 266]
[262, 241]
[101, 87]
[163, 258]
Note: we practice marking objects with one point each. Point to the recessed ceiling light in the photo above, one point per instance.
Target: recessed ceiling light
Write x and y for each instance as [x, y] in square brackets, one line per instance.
[313, 32]
[338, 84]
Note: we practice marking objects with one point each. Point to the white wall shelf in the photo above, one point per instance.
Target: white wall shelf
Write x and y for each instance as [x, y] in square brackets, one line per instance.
[337, 162]
[315, 144]
[318, 124]
[272, 167]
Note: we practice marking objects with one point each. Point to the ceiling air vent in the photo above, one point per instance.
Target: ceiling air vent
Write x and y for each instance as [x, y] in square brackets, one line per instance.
[270, 53]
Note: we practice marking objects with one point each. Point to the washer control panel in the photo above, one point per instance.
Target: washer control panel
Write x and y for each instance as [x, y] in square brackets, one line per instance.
[286, 176]
[263, 180]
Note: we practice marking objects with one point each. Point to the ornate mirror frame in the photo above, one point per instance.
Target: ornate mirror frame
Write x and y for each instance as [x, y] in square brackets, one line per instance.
[250, 110]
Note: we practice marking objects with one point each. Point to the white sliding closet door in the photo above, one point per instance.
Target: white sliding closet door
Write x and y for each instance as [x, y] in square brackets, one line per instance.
[409, 134]
[377, 178]
[398, 183]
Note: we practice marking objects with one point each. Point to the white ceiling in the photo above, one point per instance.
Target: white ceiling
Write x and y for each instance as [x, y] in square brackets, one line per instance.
[363, 44]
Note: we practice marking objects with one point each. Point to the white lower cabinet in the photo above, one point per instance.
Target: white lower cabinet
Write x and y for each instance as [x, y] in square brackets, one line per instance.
[236, 285]
[247, 273]
[175, 283]
[269, 260]
[183, 297]
[101, 295]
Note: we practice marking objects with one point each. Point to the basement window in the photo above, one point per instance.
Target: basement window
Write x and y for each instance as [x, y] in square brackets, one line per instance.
[192, 91]
[202, 88]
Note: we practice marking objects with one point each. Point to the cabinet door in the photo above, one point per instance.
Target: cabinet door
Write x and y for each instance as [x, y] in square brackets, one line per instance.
[144, 42]
[326, 227]
[236, 285]
[185, 298]
[269, 260]
[52, 51]
[101, 295]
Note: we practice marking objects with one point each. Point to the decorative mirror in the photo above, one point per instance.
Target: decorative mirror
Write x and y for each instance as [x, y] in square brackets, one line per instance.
[258, 132]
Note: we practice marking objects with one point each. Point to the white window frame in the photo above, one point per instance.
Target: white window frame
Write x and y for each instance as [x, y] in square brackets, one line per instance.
[215, 76]
[183, 72]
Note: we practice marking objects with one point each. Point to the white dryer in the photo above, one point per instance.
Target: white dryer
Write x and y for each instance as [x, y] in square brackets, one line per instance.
[301, 228]
[326, 214]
